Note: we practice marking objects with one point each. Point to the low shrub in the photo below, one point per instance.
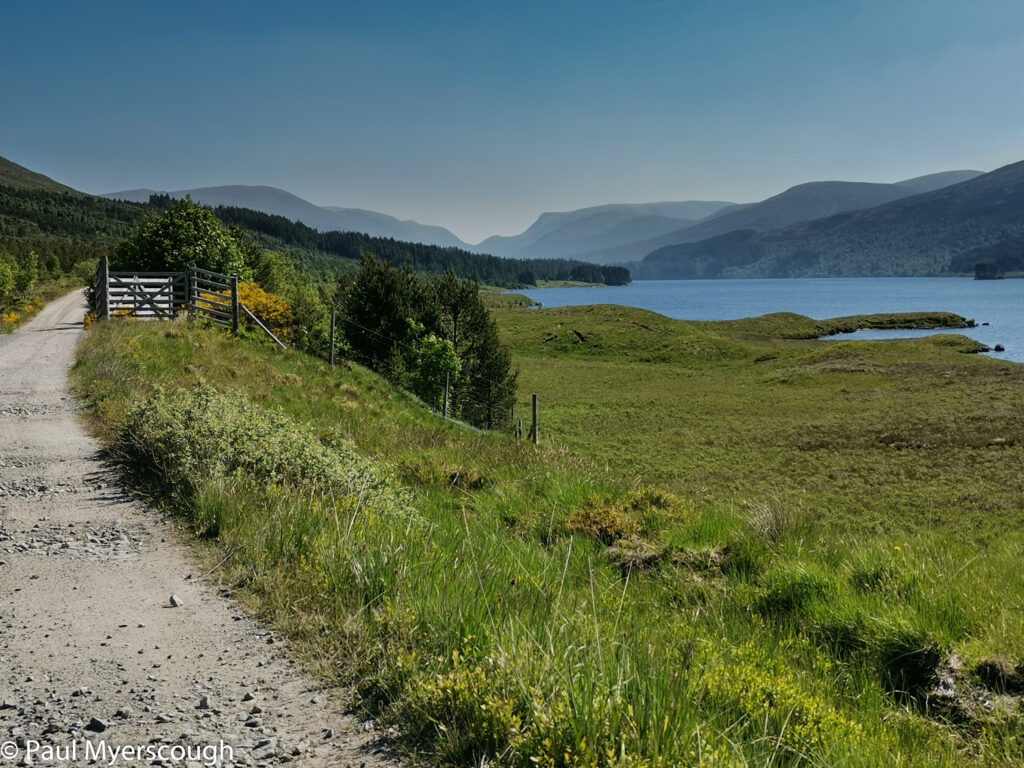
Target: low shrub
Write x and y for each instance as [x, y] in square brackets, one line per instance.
[189, 438]
[775, 702]
[641, 512]
[273, 311]
[606, 523]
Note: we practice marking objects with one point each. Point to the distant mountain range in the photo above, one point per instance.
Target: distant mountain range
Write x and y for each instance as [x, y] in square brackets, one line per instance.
[65, 227]
[926, 225]
[803, 202]
[563, 235]
[326, 219]
[919, 234]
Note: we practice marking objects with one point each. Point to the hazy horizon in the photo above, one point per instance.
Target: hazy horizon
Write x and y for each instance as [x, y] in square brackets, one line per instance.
[479, 119]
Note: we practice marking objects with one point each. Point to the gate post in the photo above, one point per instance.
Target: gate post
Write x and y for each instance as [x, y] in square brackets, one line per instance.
[105, 277]
[234, 303]
[189, 273]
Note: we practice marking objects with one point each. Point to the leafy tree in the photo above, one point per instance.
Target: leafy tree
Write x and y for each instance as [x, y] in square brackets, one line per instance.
[6, 280]
[414, 330]
[987, 271]
[486, 389]
[26, 276]
[311, 318]
[270, 269]
[185, 235]
[617, 276]
[435, 363]
[461, 315]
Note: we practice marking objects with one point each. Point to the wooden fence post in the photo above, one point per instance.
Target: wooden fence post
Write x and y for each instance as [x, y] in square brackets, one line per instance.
[105, 269]
[447, 384]
[536, 425]
[189, 274]
[234, 303]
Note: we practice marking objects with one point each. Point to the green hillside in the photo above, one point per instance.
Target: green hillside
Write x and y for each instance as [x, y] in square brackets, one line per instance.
[939, 232]
[14, 175]
[57, 223]
[736, 546]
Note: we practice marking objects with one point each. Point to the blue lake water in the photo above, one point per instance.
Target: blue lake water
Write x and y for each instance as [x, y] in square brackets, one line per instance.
[1000, 303]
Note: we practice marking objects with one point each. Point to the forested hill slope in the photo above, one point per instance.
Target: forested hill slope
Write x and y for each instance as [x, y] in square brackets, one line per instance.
[59, 223]
[278, 202]
[19, 177]
[924, 234]
[278, 231]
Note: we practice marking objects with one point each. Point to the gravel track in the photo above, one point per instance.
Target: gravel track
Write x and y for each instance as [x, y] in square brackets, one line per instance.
[91, 648]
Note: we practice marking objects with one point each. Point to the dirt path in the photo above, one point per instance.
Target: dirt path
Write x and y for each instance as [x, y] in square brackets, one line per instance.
[91, 649]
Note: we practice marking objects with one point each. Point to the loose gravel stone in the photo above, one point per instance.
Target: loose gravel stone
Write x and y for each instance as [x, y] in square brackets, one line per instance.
[88, 642]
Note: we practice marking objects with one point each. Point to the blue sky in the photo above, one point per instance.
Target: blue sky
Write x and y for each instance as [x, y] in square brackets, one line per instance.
[480, 115]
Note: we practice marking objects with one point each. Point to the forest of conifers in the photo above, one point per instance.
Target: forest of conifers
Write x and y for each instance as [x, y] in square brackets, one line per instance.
[72, 227]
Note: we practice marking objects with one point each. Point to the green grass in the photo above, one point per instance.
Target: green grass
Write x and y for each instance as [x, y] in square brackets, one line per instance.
[836, 519]
[495, 298]
[867, 436]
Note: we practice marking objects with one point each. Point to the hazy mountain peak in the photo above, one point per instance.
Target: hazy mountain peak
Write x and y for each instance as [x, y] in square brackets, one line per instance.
[326, 219]
[940, 231]
[938, 180]
[803, 202]
[566, 234]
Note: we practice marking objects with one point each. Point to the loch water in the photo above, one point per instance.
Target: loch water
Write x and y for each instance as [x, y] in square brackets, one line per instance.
[1000, 303]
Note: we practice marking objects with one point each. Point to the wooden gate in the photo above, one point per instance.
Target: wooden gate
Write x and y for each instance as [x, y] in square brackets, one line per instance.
[146, 294]
[198, 293]
[213, 296]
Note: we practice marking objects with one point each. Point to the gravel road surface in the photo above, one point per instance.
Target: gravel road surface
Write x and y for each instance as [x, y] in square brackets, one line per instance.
[93, 653]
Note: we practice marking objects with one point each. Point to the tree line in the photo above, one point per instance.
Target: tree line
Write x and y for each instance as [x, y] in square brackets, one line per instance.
[484, 268]
[92, 225]
[993, 260]
[429, 334]
[424, 333]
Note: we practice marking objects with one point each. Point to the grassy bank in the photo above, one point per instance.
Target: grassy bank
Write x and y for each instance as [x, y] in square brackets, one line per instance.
[499, 603]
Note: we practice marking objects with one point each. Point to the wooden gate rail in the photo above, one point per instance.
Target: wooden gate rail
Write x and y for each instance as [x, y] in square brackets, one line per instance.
[199, 293]
[213, 297]
[145, 294]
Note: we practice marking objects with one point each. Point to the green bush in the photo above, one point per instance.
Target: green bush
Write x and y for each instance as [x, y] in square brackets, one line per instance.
[193, 437]
[6, 280]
